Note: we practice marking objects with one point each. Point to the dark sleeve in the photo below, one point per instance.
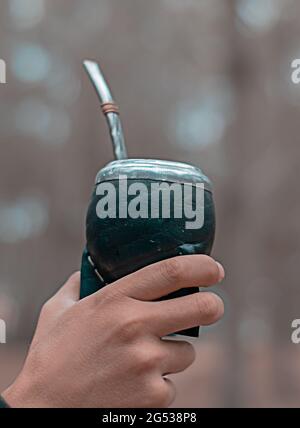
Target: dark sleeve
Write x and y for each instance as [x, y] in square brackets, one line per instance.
[3, 404]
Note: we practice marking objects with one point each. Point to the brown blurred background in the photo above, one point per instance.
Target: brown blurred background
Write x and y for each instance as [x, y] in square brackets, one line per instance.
[207, 82]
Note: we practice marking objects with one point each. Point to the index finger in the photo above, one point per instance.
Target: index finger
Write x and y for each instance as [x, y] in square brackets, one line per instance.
[162, 278]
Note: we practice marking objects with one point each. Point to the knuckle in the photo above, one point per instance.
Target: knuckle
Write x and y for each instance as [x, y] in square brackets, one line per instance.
[148, 360]
[173, 269]
[163, 394]
[211, 307]
[131, 327]
[106, 297]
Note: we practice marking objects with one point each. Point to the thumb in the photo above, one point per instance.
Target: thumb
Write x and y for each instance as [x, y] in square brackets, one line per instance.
[66, 297]
[70, 291]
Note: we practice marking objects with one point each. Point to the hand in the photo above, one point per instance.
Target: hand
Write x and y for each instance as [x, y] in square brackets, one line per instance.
[107, 349]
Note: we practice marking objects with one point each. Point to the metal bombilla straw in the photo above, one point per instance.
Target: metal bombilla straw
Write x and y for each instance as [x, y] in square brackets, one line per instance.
[109, 108]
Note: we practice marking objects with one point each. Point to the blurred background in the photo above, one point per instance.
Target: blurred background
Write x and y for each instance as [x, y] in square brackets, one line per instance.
[206, 82]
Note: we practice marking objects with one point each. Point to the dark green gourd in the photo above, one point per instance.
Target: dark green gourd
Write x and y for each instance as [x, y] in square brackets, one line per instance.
[119, 245]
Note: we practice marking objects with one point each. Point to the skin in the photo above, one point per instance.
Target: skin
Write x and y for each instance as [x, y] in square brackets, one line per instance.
[109, 350]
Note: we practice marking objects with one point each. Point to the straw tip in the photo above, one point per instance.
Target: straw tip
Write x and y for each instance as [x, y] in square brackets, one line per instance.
[89, 63]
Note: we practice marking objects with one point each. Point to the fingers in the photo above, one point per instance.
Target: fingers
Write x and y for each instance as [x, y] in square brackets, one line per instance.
[171, 316]
[170, 392]
[162, 278]
[179, 356]
[164, 393]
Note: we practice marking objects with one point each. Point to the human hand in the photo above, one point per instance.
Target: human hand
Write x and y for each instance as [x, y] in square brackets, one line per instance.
[107, 349]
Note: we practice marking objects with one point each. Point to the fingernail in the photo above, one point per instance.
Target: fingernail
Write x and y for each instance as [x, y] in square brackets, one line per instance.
[222, 272]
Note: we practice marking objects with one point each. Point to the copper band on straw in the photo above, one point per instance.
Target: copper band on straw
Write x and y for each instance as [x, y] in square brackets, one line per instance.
[110, 108]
